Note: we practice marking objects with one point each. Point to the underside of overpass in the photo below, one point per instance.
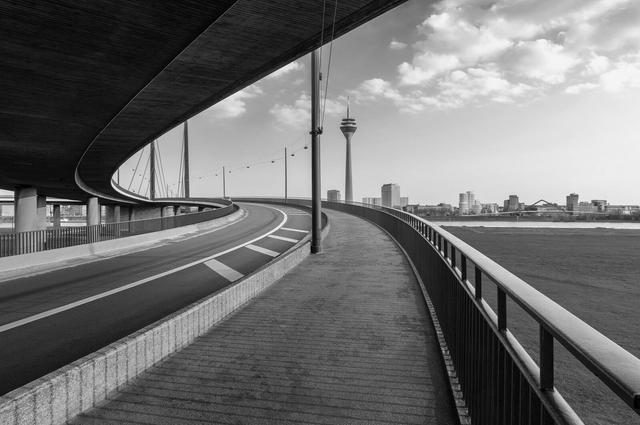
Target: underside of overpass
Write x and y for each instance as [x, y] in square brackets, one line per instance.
[85, 85]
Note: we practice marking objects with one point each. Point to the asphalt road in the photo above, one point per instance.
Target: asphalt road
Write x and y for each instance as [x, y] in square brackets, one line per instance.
[52, 319]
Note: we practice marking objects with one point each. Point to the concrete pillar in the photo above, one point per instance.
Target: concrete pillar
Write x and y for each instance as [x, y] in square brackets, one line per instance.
[112, 213]
[56, 216]
[168, 212]
[200, 209]
[93, 212]
[41, 203]
[176, 210]
[26, 209]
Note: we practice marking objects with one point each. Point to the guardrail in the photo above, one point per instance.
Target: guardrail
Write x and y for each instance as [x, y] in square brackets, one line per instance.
[501, 383]
[61, 237]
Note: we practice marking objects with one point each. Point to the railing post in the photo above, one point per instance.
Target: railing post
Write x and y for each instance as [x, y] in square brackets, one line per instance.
[463, 267]
[502, 310]
[478, 282]
[453, 256]
[546, 360]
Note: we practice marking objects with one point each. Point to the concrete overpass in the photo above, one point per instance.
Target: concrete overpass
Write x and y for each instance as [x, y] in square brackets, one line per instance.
[85, 86]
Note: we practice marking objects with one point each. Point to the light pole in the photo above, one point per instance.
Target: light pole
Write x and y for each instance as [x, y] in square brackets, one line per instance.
[224, 183]
[316, 203]
[285, 175]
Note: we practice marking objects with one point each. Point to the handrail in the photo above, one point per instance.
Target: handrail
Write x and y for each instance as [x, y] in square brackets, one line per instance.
[612, 364]
[618, 368]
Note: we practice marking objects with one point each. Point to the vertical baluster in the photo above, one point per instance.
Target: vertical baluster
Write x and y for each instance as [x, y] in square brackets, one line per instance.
[463, 266]
[546, 360]
[478, 282]
[502, 310]
[453, 256]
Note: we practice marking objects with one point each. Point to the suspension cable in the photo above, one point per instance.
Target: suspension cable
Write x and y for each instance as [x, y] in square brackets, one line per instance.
[136, 170]
[162, 174]
[326, 88]
[324, 8]
[143, 174]
[180, 168]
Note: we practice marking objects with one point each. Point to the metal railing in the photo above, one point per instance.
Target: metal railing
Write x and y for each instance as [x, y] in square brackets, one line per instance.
[501, 383]
[61, 237]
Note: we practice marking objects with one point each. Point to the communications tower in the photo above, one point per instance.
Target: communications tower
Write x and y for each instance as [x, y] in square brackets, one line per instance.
[348, 127]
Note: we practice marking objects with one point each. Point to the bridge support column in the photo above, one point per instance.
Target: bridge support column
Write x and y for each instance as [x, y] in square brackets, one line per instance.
[93, 220]
[168, 211]
[56, 216]
[176, 210]
[26, 209]
[41, 203]
[30, 215]
[93, 211]
[112, 214]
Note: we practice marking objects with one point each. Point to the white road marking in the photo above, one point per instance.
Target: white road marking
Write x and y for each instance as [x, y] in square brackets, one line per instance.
[26, 320]
[282, 238]
[225, 271]
[294, 230]
[263, 250]
[300, 213]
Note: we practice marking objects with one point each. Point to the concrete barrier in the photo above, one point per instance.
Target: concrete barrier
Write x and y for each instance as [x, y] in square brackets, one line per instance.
[18, 265]
[77, 387]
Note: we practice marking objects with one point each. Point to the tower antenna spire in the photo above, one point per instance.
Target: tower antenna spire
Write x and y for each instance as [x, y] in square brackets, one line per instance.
[348, 127]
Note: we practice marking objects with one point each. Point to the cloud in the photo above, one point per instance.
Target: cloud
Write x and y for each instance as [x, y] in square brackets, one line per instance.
[397, 45]
[468, 52]
[287, 69]
[234, 105]
[298, 114]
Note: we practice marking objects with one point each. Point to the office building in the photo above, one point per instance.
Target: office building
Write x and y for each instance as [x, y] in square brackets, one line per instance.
[372, 201]
[513, 204]
[333, 195]
[572, 202]
[463, 204]
[390, 195]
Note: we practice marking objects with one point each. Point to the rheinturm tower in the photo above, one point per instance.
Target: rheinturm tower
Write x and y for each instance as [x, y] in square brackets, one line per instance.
[348, 127]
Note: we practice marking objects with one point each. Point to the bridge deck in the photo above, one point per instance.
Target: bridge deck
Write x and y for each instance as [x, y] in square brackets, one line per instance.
[344, 338]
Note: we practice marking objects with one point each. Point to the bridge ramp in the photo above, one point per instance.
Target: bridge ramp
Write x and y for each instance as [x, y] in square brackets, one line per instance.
[343, 339]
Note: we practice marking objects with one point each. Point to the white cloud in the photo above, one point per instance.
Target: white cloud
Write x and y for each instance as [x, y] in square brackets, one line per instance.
[298, 114]
[287, 69]
[579, 88]
[234, 105]
[625, 73]
[543, 60]
[397, 45]
[470, 52]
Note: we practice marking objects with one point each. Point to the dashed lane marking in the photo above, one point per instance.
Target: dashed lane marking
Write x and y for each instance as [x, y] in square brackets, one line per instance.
[223, 270]
[294, 230]
[282, 238]
[263, 250]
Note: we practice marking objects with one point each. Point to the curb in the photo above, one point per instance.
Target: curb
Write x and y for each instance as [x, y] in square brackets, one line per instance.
[85, 383]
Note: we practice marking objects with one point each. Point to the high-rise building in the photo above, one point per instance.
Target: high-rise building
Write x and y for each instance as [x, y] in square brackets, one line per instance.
[372, 201]
[572, 202]
[348, 127]
[390, 195]
[463, 204]
[404, 201]
[333, 195]
[514, 203]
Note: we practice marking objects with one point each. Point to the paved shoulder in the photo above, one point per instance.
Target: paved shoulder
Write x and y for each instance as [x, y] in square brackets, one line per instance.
[344, 338]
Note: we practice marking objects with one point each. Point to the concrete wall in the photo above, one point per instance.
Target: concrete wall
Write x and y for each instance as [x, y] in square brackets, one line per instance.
[75, 388]
[144, 213]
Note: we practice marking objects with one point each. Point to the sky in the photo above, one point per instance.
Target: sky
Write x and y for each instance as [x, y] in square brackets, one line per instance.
[538, 98]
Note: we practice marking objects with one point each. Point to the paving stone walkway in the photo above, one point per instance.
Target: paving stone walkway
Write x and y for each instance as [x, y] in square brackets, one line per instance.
[342, 339]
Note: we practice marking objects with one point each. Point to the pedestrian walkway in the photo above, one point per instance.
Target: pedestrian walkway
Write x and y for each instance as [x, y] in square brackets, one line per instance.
[343, 339]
